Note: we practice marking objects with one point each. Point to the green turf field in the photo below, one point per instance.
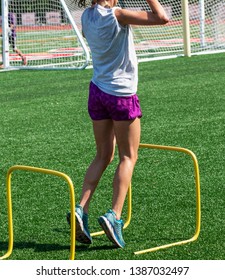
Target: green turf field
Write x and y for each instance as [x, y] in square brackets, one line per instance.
[44, 123]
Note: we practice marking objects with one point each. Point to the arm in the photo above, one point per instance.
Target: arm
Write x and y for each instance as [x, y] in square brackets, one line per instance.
[157, 16]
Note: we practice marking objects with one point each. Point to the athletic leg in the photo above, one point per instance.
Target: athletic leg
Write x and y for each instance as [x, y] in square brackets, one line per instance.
[105, 147]
[16, 50]
[128, 139]
[21, 55]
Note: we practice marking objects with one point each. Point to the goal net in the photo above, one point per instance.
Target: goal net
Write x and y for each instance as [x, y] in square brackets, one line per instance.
[206, 25]
[49, 32]
[46, 34]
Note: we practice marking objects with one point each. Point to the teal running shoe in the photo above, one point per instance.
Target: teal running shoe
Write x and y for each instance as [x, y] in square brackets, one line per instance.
[82, 231]
[113, 228]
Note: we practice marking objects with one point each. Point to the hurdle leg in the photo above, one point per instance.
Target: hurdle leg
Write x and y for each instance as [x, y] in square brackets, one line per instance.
[198, 204]
[9, 205]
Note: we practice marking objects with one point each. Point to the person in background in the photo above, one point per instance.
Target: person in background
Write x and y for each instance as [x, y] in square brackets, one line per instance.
[12, 38]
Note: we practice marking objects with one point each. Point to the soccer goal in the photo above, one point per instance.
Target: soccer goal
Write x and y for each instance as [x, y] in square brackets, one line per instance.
[49, 32]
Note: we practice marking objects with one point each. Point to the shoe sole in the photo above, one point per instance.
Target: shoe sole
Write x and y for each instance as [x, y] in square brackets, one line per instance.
[80, 233]
[108, 229]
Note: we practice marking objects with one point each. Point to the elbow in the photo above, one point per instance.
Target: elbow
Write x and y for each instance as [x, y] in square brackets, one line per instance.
[166, 20]
[163, 19]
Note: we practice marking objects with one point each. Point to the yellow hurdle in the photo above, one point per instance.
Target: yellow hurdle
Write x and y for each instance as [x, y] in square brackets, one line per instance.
[198, 204]
[129, 197]
[9, 204]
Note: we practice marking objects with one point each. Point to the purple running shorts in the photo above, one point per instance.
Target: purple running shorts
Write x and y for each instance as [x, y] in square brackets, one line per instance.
[103, 106]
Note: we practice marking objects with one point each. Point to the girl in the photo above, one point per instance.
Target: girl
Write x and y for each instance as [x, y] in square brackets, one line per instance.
[113, 106]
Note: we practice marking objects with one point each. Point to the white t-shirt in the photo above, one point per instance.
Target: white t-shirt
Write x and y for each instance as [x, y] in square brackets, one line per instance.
[113, 53]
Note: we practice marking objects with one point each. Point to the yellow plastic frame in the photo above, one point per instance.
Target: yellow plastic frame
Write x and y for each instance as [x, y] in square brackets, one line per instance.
[129, 197]
[9, 205]
[198, 203]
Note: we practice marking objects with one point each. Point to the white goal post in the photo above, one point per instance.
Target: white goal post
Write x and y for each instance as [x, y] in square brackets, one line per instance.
[49, 32]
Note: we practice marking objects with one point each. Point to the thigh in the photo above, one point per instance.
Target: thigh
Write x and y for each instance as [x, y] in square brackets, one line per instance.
[128, 136]
[104, 137]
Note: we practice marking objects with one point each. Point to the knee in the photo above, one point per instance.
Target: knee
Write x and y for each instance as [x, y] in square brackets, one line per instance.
[132, 158]
[106, 158]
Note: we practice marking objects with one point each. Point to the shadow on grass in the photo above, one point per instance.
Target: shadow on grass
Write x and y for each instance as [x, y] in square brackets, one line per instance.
[37, 247]
[83, 247]
[101, 243]
[80, 248]
[45, 247]
[33, 245]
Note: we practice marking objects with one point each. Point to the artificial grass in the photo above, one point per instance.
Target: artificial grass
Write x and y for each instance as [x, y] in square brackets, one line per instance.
[44, 123]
